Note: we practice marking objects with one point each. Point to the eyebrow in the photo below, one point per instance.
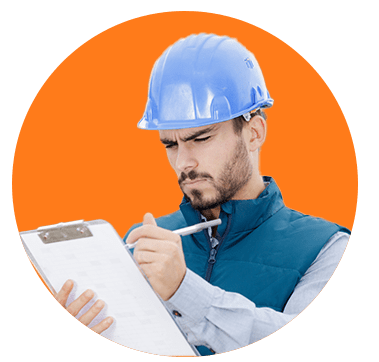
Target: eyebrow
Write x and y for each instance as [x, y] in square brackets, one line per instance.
[169, 142]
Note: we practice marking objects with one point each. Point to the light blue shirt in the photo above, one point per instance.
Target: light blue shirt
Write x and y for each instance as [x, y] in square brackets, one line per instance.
[224, 321]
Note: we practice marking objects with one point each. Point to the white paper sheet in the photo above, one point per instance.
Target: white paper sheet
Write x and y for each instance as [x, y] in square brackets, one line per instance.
[102, 263]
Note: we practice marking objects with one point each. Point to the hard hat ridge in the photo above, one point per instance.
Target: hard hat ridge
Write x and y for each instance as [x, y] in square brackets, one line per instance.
[201, 80]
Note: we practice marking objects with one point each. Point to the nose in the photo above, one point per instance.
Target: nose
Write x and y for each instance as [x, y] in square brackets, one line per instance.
[185, 159]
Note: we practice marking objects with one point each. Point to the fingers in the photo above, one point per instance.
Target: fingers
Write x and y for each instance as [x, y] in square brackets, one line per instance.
[148, 270]
[152, 232]
[65, 291]
[75, 307]
[103, 325]
[156, 246]
[147, 257]
[149, 229]
[149, 219]
[90, 315]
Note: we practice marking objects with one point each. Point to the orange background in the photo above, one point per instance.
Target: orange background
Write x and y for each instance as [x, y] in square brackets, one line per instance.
[81, 156]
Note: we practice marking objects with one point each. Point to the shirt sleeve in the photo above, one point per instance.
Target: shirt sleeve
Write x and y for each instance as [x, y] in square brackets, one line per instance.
[224, 321]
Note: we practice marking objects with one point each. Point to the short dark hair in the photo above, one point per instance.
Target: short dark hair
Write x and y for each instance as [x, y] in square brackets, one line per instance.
[239, 122]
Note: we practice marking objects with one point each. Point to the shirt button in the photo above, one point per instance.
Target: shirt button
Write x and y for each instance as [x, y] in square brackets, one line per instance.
[175, 312]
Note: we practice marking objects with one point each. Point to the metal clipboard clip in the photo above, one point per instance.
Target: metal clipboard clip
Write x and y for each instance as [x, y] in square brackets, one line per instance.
[64, 232]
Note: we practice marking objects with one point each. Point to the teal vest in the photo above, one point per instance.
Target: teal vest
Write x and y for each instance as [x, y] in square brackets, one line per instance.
[264, 248]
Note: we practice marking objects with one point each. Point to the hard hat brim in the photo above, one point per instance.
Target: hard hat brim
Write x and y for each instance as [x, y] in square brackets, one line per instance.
[155, 124]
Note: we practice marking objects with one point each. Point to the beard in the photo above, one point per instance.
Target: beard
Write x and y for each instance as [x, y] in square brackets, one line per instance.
[234, 175]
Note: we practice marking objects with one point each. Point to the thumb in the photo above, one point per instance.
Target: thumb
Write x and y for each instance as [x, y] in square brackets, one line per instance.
[148, 219]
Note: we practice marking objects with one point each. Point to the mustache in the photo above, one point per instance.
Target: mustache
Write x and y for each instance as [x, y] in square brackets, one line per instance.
[193, 175]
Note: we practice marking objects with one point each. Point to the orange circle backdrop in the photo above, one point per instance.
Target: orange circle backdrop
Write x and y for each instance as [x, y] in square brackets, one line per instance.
[80, 155]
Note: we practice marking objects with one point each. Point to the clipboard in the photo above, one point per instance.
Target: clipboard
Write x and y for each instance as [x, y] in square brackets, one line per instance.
[95, 257]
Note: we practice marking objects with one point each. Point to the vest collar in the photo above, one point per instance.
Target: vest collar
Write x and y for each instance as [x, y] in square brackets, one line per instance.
[246, 214]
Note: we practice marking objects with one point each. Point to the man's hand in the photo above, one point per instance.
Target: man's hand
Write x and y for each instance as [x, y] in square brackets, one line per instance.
[76, 306]
[160, 255]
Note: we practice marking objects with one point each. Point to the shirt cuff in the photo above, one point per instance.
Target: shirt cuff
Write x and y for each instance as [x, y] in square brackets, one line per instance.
[192, 300]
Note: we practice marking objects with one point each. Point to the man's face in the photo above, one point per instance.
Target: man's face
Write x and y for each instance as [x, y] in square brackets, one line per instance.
[212, 163]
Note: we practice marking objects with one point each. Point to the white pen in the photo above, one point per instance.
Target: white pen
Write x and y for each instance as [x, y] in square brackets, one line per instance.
[188, 230]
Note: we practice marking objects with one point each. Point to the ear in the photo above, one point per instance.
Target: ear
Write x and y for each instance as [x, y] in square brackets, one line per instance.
[255, 134]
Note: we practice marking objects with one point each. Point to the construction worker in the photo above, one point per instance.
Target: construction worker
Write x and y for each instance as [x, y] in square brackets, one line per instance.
[236, 283]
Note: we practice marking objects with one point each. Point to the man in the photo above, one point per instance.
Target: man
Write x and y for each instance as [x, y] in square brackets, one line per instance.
[239, 282]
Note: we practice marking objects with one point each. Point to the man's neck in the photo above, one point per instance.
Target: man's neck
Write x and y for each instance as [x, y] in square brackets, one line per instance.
[211, 214]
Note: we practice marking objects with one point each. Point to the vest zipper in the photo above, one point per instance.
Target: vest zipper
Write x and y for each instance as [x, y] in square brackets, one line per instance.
[211, 261]
[214, 249]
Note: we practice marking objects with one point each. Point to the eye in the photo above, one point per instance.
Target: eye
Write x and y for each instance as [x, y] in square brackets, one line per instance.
[171, 145]
[202, 139]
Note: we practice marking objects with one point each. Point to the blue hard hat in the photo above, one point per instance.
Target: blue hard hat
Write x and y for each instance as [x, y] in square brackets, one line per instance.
[203, 79]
